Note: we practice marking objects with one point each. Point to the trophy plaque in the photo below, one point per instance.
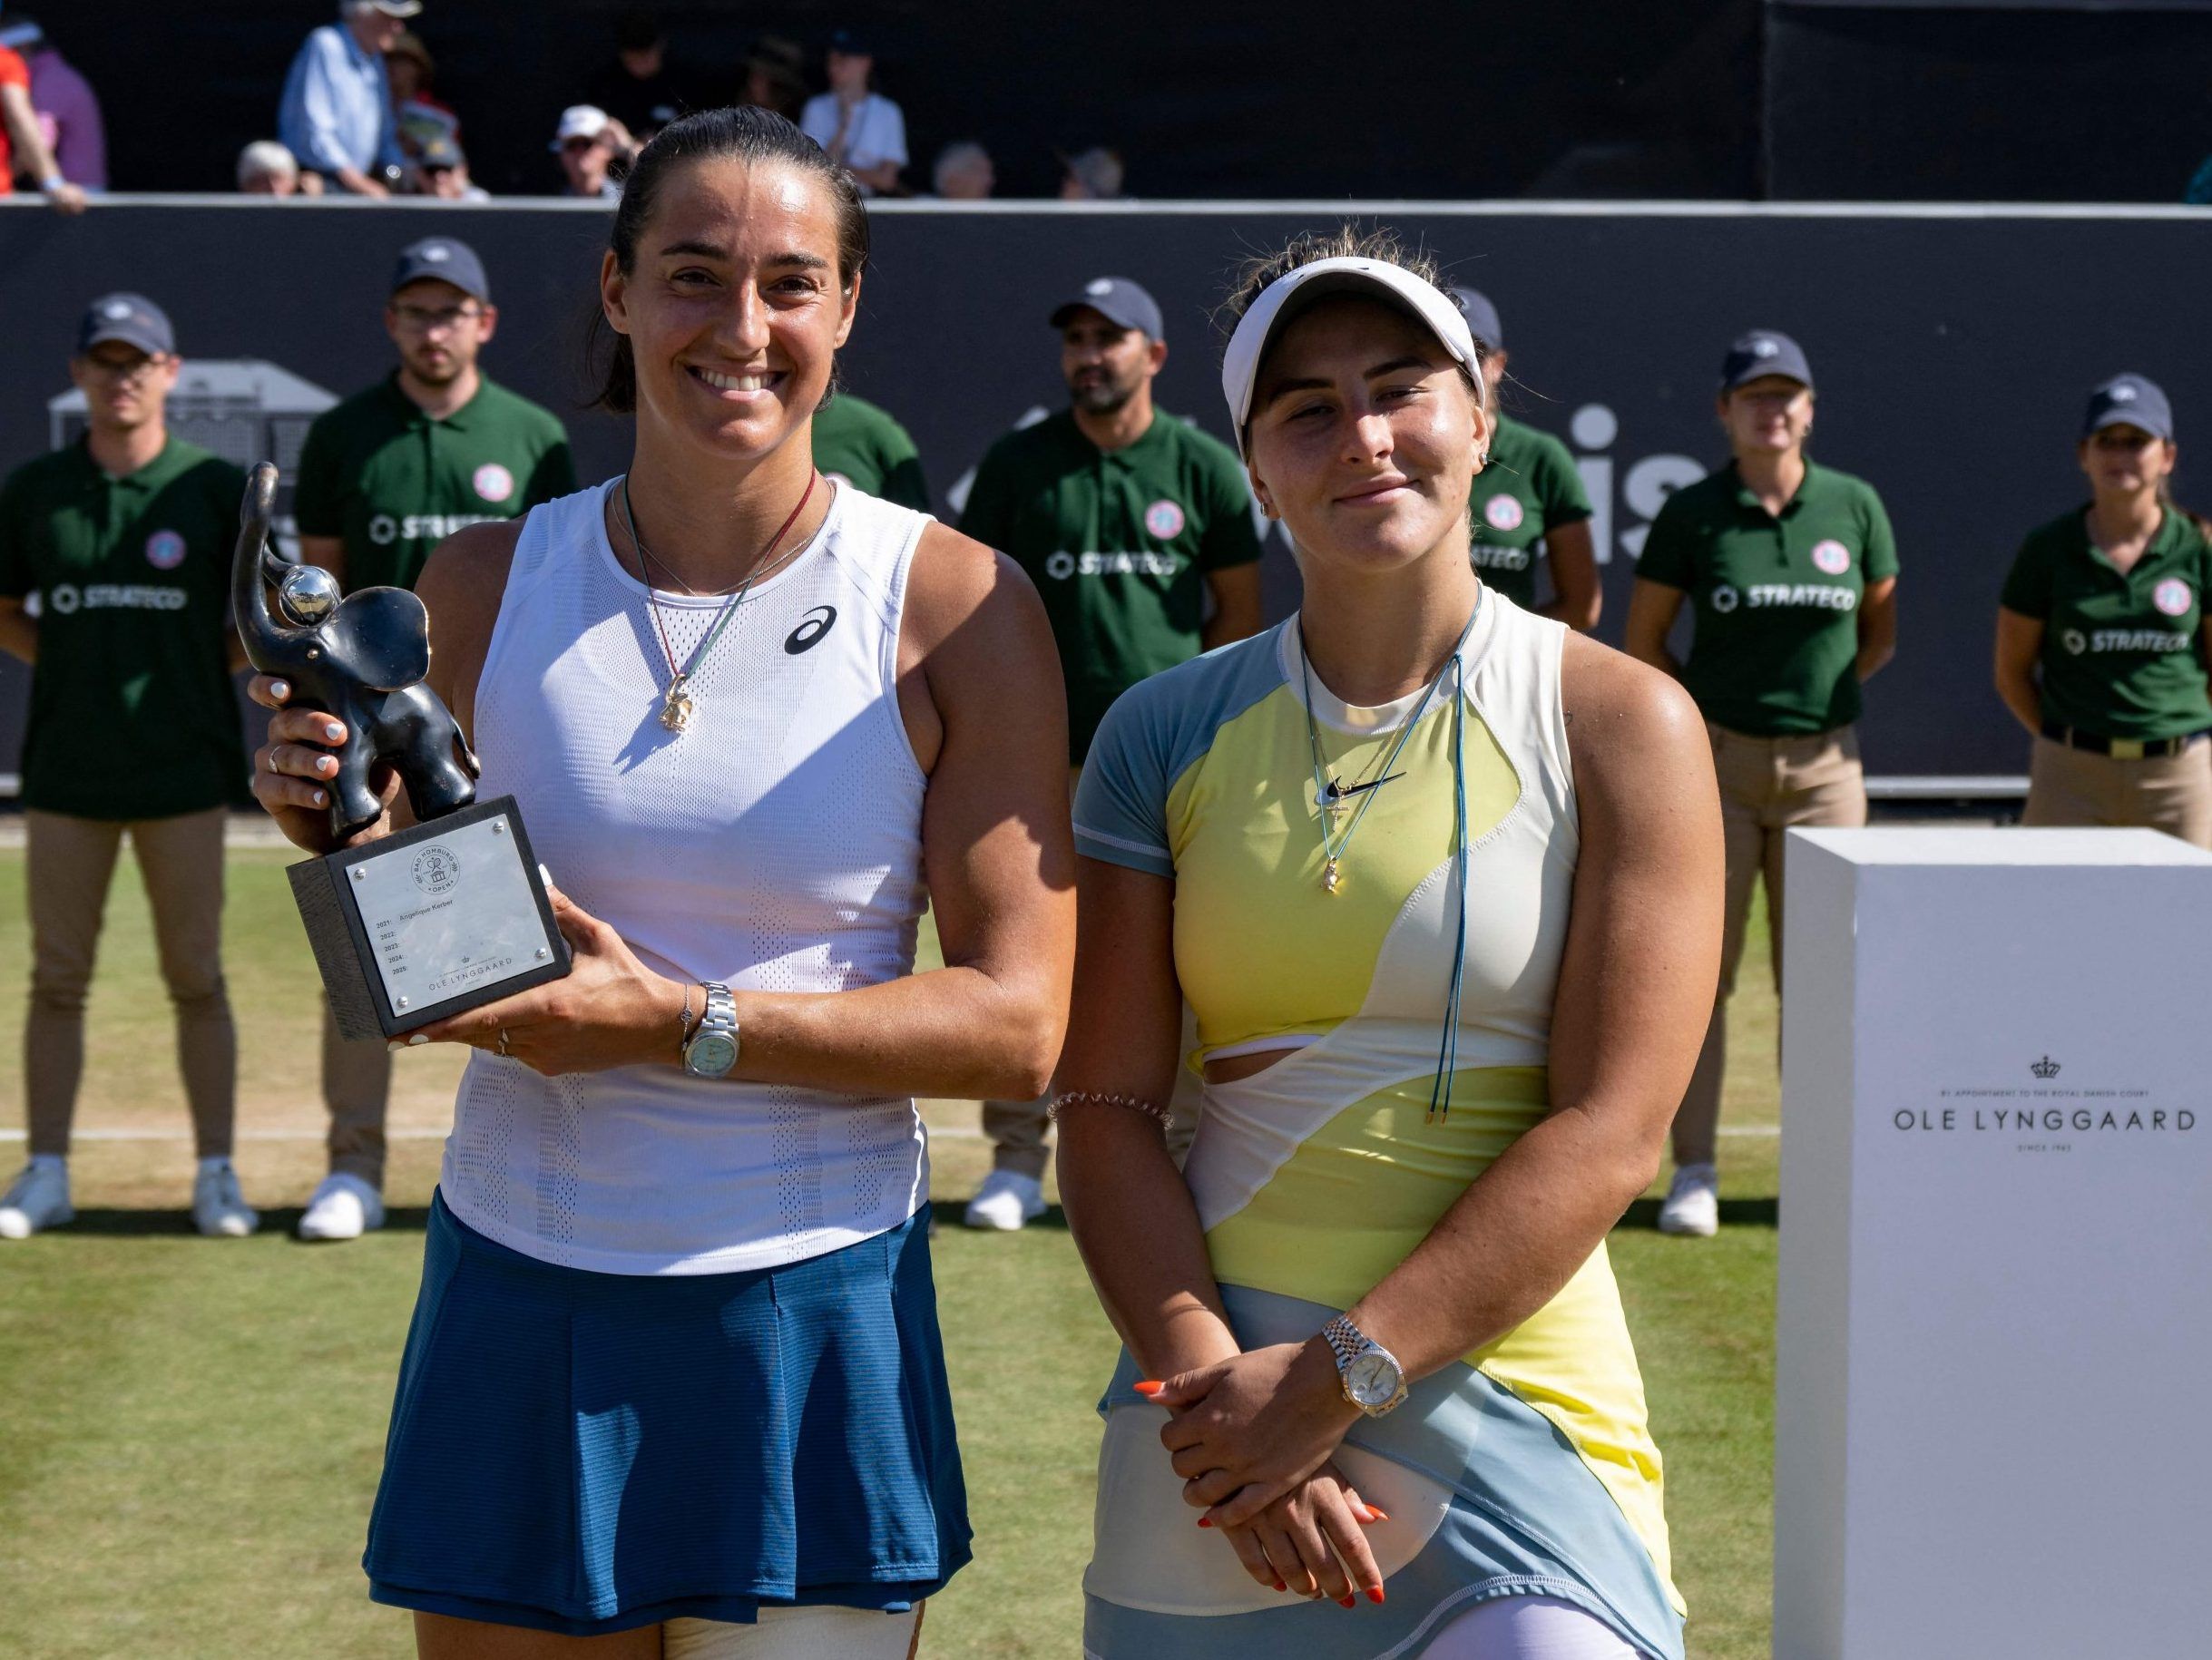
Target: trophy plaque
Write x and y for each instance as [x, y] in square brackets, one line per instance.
[431, 921]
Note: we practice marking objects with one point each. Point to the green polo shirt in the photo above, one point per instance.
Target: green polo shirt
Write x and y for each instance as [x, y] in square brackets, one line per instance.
[860, 443]
[1529, 490]
[2121, 654]
[133, 714]
[1118, 541]
[392, 482]
[1777, 599]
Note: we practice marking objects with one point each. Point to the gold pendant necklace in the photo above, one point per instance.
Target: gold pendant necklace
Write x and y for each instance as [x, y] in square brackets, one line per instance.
[676, 706]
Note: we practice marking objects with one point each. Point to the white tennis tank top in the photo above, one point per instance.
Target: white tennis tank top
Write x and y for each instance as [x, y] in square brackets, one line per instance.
[774, 844]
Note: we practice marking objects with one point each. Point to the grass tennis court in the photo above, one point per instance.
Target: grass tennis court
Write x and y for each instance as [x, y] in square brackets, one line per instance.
[191, 1430]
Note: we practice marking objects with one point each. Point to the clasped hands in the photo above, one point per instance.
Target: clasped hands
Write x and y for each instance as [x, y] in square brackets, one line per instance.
[1254, 1438]
[609, 1010]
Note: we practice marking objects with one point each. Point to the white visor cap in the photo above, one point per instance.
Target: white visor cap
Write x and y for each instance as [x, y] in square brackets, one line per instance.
[1340, 275]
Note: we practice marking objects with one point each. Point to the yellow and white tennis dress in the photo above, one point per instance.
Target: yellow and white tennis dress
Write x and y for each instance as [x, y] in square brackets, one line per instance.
[1527, 1467]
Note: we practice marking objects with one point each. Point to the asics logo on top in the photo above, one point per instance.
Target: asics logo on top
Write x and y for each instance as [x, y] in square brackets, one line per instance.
[812, 627]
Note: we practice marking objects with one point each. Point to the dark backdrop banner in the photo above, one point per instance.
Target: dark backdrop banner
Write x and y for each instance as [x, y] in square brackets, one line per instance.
[1952, 350]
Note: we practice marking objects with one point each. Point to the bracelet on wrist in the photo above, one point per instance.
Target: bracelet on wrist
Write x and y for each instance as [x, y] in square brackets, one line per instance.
[1126, 1103]
[685, 1020]
[54, 182]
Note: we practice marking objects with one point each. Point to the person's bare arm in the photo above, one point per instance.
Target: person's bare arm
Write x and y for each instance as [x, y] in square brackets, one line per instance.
[1576, 596]
[18, 630]
[32, 156]
[1128, 1207]
[1877, 627]
[353, 180]
[1237, 609]
[1652, 609]
[1636, 983]
[327, 552]
[2020, 648]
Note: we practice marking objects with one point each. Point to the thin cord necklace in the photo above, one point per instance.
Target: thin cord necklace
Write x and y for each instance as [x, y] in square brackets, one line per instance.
[1330, 798]
[676, 702]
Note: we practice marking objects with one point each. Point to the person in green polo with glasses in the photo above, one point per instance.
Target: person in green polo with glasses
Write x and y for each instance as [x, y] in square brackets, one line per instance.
[1138, 530]
[123, 539]
[1528, 501]
[385, 477]
[862, 445]
[1789, 569]
[2101, 637]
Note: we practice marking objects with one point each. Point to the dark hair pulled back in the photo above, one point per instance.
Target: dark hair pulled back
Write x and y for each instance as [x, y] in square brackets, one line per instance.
[743, 133]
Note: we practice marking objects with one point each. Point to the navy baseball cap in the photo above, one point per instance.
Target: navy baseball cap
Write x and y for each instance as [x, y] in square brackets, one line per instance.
[443, 259]
[1764, 351]
[1482, 317]
[132, 318]
[1120, 302]
[2129, 400]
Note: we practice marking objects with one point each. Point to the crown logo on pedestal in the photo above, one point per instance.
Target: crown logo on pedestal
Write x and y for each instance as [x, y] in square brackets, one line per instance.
[2045, 1068]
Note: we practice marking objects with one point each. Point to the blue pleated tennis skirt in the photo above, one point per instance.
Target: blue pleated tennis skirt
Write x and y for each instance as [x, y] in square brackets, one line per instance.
[587, 1453]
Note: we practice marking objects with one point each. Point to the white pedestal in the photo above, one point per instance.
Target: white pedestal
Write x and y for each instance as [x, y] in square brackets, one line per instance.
[1994, 1314]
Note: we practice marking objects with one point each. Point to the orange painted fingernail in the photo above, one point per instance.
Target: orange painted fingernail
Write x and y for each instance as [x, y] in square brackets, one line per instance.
[1348, 1602]
[1205, 1521]
[1280, 1586]
[1374, 1593]
[1148, 1386]
[1375, 1513]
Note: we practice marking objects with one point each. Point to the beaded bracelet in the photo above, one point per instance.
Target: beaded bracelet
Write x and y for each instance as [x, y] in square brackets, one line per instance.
[1090, 1097]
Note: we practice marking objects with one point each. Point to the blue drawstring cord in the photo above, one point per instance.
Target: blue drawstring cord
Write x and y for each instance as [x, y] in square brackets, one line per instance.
[1447, 1050]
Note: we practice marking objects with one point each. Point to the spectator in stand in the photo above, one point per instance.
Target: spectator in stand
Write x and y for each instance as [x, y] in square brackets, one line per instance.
[68, 111]
[336, 113]
[640, 89]
[23, 147]
[776, 77]
[265, 168]
[859, 444]
[1093, 175]
[444, 173]
[125, 536]
[590, 144]
[964, 173]
[384, 476]
[1133, 525]
[860, 128]
[419, 115]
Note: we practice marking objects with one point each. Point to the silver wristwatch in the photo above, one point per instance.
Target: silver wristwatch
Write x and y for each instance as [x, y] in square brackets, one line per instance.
[711, 1049]
[1372, 1379]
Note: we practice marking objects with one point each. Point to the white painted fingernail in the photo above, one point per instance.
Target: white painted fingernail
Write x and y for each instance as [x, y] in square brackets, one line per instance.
[321, 799]
[417, 1038]
[395, 1044]
[333, 731]
[546, 876]
[280, 688]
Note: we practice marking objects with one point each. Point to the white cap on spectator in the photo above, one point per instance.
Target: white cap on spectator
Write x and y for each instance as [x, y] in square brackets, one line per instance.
[390, 8]
[585, 121]
[265, 157]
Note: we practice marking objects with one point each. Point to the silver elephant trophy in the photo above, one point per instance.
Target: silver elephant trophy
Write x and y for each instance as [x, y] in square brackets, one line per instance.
[447, 915]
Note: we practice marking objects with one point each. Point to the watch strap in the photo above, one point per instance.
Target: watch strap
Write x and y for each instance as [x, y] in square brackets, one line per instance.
[719, 1017]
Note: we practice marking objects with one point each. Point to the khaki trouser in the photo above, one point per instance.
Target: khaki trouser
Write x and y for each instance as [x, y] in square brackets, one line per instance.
[1769, 785]
[357, 1088]
[2172, 793]
[70, 865]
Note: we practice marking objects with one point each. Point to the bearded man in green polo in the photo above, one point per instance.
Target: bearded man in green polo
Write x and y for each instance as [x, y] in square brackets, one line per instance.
[1137, 529]
[385, 477]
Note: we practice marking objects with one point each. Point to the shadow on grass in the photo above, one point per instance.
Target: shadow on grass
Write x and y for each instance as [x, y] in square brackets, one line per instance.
[1734, 1212]
[134, 1224]
[948, 1213]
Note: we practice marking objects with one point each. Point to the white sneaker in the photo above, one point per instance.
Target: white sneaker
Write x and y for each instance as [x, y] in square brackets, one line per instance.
[219, 1210]
[344, 1207]
[1005, 1201]
[1693, 1203]
[36, 1200]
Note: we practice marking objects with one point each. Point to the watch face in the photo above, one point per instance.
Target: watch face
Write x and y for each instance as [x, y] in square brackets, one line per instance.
[1374, 1379]
[711, 1054]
